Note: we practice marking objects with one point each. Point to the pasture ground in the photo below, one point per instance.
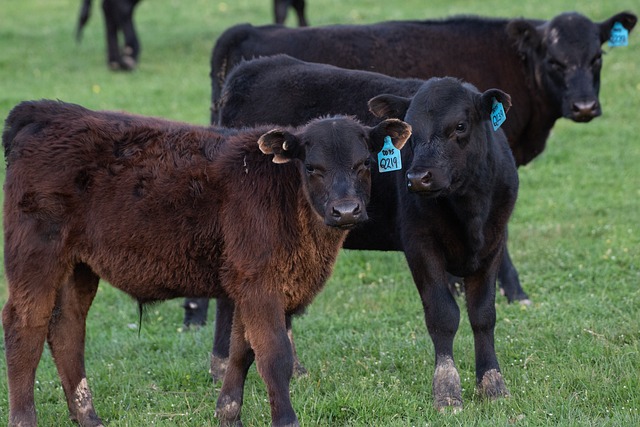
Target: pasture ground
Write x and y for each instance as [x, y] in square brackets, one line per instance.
[570, 359]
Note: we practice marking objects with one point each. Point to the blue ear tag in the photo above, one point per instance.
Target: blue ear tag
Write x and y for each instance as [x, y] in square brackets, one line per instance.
[389, 157]
[498, 116]
[619, 35]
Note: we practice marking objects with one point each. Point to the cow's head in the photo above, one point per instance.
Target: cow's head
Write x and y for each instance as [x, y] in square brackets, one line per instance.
[450, 126]
[334, 157]
[565, 55]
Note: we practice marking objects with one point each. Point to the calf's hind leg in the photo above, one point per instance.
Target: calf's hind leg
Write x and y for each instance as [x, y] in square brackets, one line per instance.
[66, 339]
[25, 319]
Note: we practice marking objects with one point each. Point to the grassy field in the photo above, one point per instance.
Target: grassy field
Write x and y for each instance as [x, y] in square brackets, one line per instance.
[570, 359]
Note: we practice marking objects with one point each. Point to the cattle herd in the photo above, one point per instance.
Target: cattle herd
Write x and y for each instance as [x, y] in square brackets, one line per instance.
[304, 156]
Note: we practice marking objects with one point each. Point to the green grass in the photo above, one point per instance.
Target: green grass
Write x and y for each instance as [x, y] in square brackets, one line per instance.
[571, 359]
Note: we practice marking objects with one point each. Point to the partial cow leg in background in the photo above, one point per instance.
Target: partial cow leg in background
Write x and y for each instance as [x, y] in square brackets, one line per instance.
[509, 281]
[281, 7]
[298, 6]
[111, 29]
[195, 311]
[221, 338]
[131, 49]
[118, 16]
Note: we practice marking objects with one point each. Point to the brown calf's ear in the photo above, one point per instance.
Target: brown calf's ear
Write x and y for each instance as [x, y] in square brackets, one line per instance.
[397, 130]
[282, 144]
[486, 102]
[391, 106]
[628, 21]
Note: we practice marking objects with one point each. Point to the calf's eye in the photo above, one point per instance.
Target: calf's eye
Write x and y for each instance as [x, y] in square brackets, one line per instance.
[557, 65]
[461, 127]
[309, 168]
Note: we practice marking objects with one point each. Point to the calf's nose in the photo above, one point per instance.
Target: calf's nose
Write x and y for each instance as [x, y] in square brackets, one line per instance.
[419, 181]
[346, 213]
[583, 111]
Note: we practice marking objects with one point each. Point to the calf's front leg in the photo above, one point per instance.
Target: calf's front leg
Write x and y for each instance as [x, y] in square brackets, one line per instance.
[482, 316]
[258, 329]
[442, 317]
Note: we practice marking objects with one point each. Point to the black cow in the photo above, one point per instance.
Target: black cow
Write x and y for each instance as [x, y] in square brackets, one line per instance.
[118, 18]
[550, 68]
[447, 210]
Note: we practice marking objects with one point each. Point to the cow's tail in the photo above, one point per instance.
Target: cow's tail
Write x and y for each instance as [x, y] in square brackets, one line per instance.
[85, 13]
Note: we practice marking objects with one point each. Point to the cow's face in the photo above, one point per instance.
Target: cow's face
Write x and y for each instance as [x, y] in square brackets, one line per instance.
[449, 121]
[565, 55]
[334, 157]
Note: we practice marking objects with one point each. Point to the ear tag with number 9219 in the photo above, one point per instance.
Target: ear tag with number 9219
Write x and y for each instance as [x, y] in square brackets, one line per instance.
[619, 35]
[498, 116]
[389, 157]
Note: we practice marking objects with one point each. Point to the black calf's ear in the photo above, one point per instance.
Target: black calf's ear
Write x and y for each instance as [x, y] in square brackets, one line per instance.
[391, 106]
[486, 102]
[525, 35]
[397, 130]
[628, 21]
[282, 144]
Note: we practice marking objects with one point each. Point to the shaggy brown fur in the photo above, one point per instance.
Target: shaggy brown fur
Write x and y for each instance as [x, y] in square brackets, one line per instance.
[162, 209]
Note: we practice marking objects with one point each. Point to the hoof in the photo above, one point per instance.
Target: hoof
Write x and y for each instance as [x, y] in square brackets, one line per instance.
[447, 392]
[128, 63]
[299, 370]
[218, 367]
[492, 385]
[228, 412]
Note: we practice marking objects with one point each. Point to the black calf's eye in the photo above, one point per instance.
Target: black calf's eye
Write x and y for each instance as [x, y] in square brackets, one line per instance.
[557, 65]
[367, 163]
[309, 168]
[461, 127]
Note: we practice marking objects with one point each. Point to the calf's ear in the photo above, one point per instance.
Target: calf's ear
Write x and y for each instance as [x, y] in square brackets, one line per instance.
[397, 130]
[391, 106]
[525, 35]
[282, 144]
[485, 102]
[628, 21]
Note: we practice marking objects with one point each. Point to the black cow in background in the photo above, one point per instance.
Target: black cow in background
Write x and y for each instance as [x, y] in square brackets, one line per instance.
[118, 18]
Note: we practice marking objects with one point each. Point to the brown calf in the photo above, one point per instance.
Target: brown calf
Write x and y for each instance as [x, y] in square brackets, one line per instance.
[162, 209]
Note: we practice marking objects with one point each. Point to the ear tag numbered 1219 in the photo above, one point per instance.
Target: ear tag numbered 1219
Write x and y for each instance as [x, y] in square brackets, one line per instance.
[498, 116]
[619, 35]
[389, 157]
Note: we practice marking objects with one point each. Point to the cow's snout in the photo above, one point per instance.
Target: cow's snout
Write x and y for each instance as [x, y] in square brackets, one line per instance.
[420, 181]
[584, 111]
[346, 213]
[428, 181]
